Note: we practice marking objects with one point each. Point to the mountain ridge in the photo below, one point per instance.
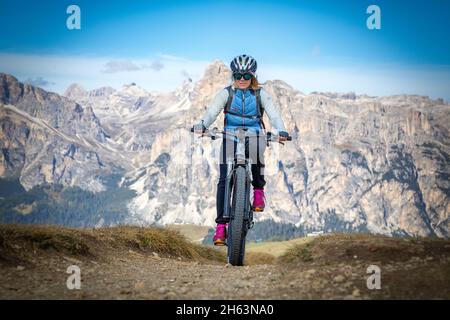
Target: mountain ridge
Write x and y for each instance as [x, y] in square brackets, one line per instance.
[356, 162]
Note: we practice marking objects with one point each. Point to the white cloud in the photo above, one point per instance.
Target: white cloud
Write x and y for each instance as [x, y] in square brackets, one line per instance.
[157, 73]
[165, 72]
[39, 82]
[157, 65]
[121, 66]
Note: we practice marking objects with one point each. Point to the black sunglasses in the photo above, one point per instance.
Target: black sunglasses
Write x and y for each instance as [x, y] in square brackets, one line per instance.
[238, 76]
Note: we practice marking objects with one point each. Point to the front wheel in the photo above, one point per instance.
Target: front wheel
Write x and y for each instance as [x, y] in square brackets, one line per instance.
[237, 228]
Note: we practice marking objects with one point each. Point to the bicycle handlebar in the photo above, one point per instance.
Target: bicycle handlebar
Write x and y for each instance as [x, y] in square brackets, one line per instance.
[214, 133]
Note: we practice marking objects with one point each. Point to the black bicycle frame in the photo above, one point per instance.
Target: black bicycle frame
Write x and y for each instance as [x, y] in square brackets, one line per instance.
[239, 157]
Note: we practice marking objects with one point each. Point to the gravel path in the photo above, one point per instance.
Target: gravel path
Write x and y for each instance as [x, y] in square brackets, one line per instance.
[335, 268]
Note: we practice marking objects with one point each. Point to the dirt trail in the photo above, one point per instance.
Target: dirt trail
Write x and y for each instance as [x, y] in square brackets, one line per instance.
[124, 263]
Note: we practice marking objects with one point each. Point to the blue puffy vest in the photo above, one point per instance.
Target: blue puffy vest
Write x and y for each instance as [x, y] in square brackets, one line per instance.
[243, 103]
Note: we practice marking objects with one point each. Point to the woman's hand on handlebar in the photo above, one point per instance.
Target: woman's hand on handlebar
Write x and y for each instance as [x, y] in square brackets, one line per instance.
[198, 128]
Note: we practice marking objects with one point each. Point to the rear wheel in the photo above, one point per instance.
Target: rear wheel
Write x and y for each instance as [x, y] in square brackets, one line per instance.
[236, 228]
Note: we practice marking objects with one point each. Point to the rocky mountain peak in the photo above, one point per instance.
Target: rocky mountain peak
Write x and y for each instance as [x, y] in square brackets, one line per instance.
[102, 92]
[75, 91]
[7, 80]
[9, 88]
[185, 89]
[216, 71]
[216, 76]
[13, 91]
[133, 89]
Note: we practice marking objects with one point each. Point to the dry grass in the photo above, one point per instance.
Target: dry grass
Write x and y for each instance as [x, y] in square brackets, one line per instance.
[44, 238]
[19, 240]
[276, 248]
[255, 258]
[94, 242]
[192, 232]
[345, 247]
[166, 242]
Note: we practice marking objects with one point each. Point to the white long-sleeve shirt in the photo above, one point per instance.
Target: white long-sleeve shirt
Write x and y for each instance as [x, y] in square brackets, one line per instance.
[218, 103]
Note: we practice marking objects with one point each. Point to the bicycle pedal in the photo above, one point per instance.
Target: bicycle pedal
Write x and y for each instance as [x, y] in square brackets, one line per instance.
[220, 243]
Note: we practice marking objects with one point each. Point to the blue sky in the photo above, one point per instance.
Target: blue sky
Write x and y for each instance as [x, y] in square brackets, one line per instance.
[312, 45]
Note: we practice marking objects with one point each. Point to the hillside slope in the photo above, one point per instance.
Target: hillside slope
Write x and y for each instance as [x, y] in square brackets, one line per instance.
[151, 263]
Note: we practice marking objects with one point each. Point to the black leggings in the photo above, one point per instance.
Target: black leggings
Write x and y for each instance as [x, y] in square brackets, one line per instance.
[257, 182]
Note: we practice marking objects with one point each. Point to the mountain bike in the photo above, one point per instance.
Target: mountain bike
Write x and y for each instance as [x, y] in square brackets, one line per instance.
[237, 207]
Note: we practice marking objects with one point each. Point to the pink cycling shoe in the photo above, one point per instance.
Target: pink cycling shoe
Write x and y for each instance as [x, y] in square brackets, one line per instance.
[258, 200]
[221, 235]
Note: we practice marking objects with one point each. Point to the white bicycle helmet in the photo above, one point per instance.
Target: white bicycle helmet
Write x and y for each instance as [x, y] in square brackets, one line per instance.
[243, 63]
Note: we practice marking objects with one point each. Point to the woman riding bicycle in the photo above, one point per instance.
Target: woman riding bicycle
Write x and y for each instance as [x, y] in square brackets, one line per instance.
[241, 103]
